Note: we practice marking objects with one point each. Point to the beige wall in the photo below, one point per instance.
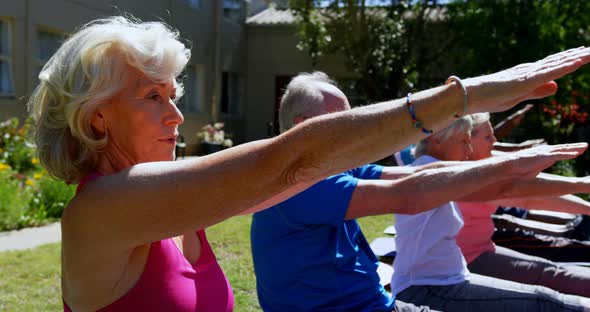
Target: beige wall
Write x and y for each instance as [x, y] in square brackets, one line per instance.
[272, 52]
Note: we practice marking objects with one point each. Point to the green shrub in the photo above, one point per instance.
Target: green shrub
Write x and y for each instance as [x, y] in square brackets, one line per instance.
[28, 195]
[564, 168]
[53, 196]
[14, 199]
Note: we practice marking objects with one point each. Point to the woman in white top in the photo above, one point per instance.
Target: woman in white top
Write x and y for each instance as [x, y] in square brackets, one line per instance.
[430, 269]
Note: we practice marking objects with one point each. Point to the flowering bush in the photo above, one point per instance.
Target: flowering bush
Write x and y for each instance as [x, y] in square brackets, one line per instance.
[214, 134]
[14, 150]
[564, 120]
[562, 115]
[28, 195]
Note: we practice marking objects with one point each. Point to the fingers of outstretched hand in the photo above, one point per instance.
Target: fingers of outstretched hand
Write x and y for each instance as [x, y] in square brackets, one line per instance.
[553, 153]
[551, 150]
[528, 166]
[502, 90]
[571, 147]
[558, 70]
[551, 61]
[562, 63]
[575, 52]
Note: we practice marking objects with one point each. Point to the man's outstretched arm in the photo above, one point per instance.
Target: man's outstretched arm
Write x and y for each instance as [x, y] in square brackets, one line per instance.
[431, 188]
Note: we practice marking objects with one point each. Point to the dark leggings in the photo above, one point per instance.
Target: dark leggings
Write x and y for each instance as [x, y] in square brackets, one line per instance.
[483, 294]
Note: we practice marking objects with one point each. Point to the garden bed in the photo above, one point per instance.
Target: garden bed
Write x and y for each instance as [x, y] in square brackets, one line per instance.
[28, 195]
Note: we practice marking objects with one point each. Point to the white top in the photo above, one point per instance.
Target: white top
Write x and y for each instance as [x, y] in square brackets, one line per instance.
[427, 253]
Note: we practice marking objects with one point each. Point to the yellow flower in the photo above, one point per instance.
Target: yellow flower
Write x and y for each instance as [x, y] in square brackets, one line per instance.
[29, 182]
[4, 166]
[37, 176]
[35, 160]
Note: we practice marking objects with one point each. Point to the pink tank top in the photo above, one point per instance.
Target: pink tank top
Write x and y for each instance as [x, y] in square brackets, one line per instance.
[170, 283]
[475, 237]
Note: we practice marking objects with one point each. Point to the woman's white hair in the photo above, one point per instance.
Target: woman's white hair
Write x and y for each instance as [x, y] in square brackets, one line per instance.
[459, 126]
[479, 119]
[301, 97]
[87, 70]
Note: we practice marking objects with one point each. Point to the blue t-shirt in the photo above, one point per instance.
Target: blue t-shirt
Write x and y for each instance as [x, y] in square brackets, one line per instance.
[308, 258]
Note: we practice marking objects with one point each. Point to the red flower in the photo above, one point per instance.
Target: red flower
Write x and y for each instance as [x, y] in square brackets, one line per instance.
[581, 118]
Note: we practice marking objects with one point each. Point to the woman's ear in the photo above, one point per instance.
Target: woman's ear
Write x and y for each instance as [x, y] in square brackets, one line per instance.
[432, 140]
[433, 146]
[98, 124]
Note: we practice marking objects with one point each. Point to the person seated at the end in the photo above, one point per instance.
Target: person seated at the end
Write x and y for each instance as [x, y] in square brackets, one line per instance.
[484, 257]
[429, 268]
[325, 262]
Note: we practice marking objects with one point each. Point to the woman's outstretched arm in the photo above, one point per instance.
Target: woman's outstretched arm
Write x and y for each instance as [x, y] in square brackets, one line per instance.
[151, 201]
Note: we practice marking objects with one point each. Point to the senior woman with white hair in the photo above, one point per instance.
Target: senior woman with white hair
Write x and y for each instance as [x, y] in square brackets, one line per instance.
[133, 236]
[430, 269]
[475, 238]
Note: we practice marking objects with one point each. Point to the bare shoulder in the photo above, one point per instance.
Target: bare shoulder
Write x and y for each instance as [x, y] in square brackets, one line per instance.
[94, 273]
[80, 221]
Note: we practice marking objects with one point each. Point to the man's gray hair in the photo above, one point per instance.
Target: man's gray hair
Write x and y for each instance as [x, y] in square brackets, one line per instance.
[301, 98]
[459, 126]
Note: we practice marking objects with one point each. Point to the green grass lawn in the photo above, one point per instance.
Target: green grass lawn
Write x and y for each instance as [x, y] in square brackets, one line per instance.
[30, 278]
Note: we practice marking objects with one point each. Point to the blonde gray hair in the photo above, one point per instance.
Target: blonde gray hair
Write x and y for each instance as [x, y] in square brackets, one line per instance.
[87, 70]
[479, 119]
[301, 97]
[459, 126]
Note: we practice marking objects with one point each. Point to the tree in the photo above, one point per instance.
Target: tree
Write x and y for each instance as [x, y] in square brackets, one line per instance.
[387, 44]
[397, 46]
[493, 35]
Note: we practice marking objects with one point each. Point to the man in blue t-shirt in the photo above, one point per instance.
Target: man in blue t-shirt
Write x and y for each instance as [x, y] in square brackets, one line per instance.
[309, 252]
[308, 257]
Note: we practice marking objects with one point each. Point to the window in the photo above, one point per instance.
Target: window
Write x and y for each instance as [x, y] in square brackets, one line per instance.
[232, 9]
[5, 58]
[193, 91]
[231, 93]
[193, 3]
[48, 43]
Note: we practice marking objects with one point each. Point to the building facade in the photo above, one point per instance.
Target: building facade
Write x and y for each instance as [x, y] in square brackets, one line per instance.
[237, 72]
[32, 30]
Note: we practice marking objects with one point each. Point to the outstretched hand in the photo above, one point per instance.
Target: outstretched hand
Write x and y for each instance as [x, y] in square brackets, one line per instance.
[529, 162]
[502, 90]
